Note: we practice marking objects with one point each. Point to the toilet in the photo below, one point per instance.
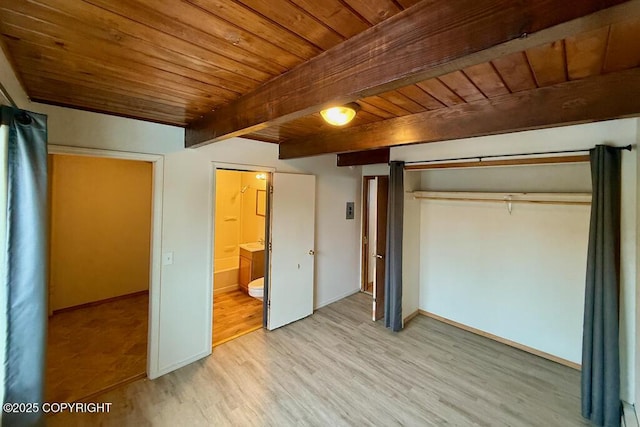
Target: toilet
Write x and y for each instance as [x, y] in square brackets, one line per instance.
[256, 288]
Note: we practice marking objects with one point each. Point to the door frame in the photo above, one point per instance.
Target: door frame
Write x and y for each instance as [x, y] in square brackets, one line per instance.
[365, 249]
[155, 256]
[212, 230]
[365, 241]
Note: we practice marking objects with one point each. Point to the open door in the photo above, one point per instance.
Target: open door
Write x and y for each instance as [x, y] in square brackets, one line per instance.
[381, 246]
[292, 244]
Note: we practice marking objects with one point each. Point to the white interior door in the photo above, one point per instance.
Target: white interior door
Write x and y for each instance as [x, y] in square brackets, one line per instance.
[292, 249]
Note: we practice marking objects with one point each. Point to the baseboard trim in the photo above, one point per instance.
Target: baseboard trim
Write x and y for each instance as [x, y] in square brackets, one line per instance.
[100, 302]
[501, 340]
[338, 298]
[410, 317]
[224, 289]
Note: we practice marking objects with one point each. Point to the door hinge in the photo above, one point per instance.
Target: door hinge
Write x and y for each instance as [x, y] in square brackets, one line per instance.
[270, 247]
[365, 240]
[271, 189]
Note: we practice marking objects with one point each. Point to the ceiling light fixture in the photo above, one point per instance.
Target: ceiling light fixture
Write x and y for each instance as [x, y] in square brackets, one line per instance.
[340, 116]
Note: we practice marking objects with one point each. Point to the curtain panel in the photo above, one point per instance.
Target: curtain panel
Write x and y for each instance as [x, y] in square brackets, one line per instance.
[393, 261]
[25, 269]
[600, 348]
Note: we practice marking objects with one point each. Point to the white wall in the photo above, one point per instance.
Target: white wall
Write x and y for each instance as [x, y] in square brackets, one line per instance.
[411, 247]
[628, 270]
[519, 276]
[572, 177]
[615, 132]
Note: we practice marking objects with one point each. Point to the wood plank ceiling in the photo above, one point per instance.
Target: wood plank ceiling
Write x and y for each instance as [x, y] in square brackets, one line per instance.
[172, 61]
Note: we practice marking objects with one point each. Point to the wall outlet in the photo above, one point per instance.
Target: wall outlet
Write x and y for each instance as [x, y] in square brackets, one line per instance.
[167, 258]
[351, 210]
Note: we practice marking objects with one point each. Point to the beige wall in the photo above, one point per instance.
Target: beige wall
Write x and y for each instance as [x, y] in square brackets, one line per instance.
[100, 229]
[227, 219]
[252, 224]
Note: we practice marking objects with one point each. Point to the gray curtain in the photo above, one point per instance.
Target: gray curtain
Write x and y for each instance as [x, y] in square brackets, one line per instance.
[600, 352]
[26, 249]
[393, 261]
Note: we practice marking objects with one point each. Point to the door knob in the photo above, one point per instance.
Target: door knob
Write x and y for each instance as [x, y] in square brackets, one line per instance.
[379, 256]
[312, 252]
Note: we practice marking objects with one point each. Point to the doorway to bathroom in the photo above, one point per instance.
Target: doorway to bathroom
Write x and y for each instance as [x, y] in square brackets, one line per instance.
[374, 240]
[240, 261]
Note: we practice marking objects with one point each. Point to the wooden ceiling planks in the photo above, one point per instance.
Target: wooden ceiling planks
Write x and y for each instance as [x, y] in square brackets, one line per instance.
[386, 105]
[515, 71]
[332, 13]
[374, 11]
[129, 34]
[487, 79]
[585, 53]
[548, 63]
[623, 49]
[459, 83]
[290, 16]
[244, 17]
[421, 97]
[397, 98]
[172, 61]
[77, 38]
[59, 46]
[140, 20]
[441, 92]
[192, 24]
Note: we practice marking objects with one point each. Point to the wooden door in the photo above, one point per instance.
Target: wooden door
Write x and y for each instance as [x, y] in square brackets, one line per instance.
[292, 249]
[381, 247]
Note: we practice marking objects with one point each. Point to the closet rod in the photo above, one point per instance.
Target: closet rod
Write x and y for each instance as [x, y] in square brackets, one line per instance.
[501, 162]
[480, 158]
[539, 202]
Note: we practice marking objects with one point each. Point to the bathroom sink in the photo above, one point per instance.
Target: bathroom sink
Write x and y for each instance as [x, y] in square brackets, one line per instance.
[252, 247]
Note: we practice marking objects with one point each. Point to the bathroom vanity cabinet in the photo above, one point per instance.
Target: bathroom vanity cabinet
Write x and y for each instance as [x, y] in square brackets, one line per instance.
[251, 266]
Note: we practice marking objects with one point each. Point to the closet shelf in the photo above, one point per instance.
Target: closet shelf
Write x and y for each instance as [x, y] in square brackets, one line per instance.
[539, 198]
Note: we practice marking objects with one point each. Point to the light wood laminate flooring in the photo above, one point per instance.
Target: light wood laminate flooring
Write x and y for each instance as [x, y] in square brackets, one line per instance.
[91, 349]
[337, 368]
[234, 314]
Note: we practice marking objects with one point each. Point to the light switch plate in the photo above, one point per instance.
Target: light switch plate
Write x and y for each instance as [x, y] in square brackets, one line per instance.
[167, 258]
[351, 210]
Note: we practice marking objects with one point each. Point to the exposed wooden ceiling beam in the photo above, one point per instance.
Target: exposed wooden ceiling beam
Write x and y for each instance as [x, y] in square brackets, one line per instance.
[360, 158]
[581, 101]
[426, 40]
